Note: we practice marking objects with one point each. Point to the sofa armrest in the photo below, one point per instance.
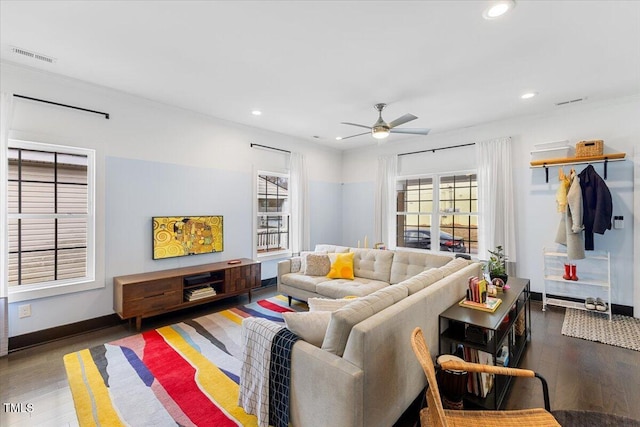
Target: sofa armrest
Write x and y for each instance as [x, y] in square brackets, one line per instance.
[324, 387]
[284, 267]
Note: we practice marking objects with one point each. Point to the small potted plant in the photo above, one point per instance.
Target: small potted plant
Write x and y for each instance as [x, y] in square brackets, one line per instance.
[497, 264]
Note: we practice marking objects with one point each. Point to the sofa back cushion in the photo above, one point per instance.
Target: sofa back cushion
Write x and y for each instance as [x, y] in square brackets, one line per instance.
[454, 265]
[331, 248]
[343, 319]
[407, 264]
[374, 264]
[422, 280]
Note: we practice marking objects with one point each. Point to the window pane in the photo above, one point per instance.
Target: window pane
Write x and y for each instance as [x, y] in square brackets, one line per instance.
[458, 193]
[72, 263]
[414, 195]
[459, 233]
[273, 233]
[413, 231]
[273, 193]
[36, 267]
[72, 198]
[72, 233]
[37, 235]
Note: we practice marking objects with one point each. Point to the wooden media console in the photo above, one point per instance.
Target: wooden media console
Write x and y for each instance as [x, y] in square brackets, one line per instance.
[148, 294]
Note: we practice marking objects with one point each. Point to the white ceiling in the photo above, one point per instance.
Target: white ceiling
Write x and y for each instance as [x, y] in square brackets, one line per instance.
[309, 65]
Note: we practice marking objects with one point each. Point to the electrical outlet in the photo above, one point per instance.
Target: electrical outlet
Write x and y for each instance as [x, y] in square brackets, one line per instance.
[24, 311]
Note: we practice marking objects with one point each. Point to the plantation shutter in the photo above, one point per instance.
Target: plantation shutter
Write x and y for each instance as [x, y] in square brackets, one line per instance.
[48, 216]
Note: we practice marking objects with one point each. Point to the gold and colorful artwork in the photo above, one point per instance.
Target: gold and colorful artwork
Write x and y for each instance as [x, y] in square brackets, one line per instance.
[175, 236]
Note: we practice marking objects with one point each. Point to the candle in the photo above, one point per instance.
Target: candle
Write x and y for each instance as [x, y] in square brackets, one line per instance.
[366, 245]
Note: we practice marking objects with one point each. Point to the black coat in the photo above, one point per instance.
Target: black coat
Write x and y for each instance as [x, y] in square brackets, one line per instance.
[597, 206]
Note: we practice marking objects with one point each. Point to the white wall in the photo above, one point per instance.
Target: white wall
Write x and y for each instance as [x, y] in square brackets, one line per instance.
[615, 121]
[154, 159]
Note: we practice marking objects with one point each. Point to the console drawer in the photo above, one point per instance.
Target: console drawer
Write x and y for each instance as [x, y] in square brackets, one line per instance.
[133, 291]
[152, 303]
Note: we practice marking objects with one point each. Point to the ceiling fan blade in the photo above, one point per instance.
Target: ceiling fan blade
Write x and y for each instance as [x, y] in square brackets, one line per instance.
[355, 124]
[401, 120]
[415, 131]
[353, 136]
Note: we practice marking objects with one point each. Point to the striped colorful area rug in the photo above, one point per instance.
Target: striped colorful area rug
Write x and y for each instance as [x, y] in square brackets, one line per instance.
[185, 374]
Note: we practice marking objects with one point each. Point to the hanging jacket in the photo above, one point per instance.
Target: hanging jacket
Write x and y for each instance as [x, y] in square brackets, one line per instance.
[597, 205]
[570, 227]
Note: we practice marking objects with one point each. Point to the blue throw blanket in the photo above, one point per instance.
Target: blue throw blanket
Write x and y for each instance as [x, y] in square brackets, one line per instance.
[280, 377]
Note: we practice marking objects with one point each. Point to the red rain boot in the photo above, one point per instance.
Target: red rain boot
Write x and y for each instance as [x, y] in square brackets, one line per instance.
[573, 272]
[567, 272]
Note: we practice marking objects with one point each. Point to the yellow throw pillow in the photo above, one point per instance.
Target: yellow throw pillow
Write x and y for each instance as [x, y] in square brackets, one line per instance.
[342, 267]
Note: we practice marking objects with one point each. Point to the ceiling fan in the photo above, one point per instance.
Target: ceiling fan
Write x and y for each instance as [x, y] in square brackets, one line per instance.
[382, 129]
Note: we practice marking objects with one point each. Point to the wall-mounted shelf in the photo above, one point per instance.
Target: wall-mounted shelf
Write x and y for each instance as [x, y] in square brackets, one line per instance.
[605, 158]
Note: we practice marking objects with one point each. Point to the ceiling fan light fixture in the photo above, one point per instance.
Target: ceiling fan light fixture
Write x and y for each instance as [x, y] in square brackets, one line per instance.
[380, 132]
[498, 8]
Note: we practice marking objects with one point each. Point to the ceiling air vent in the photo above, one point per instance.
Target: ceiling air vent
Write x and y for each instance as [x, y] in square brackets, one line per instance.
[33, 55]
[571, 101]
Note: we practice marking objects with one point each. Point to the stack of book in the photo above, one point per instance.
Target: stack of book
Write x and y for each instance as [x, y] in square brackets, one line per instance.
[199, 293]
[479, 383]
[477, 296]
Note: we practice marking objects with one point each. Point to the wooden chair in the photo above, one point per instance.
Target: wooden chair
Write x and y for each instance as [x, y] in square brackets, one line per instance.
[435, 415]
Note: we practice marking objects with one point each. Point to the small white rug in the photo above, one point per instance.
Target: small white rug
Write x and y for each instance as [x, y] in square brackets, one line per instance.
[622, 331]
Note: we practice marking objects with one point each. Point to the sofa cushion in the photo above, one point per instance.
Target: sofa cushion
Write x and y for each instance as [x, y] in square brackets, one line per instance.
[343, 319]
[422, 280]
[407, 264]
[332, 248]
[328, 304]
[303, 259]
[372, 264]
[296, 264]
[316, 264]
[340, 288]
[311, 326]
[301, 281]
[341, 266]
[454, 265]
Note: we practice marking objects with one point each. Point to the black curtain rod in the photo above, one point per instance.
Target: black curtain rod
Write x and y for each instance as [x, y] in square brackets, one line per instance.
[106, 115]
[433, 150]
[270, 148]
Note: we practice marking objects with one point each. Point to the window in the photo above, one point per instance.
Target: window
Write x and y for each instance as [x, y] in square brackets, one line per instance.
[450, 212]
[50, 215]
[273, 213]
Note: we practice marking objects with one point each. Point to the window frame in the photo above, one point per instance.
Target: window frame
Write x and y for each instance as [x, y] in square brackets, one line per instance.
[436, 214]
[63, 286]
[283, 253]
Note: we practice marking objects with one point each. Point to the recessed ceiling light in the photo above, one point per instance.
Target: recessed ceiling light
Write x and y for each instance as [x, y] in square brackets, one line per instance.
[498, 9]
[256, 112]
[528, 95]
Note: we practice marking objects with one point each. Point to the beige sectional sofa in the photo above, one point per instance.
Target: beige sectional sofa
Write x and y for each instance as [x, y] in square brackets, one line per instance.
[365, 372]
[373, 270]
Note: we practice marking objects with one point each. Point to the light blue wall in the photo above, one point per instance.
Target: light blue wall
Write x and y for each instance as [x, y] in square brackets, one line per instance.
[137, 190]
[358, 202]
[325, 210]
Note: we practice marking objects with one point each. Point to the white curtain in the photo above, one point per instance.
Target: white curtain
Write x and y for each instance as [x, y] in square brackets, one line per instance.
[6, 111]
[495, 198]
[299, 196]
[385, 209]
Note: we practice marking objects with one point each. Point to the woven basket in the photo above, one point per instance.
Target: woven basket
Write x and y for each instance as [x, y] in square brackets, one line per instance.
[589, 148]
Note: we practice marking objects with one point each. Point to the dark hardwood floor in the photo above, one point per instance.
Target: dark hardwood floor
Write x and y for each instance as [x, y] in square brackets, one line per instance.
[581, 374]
